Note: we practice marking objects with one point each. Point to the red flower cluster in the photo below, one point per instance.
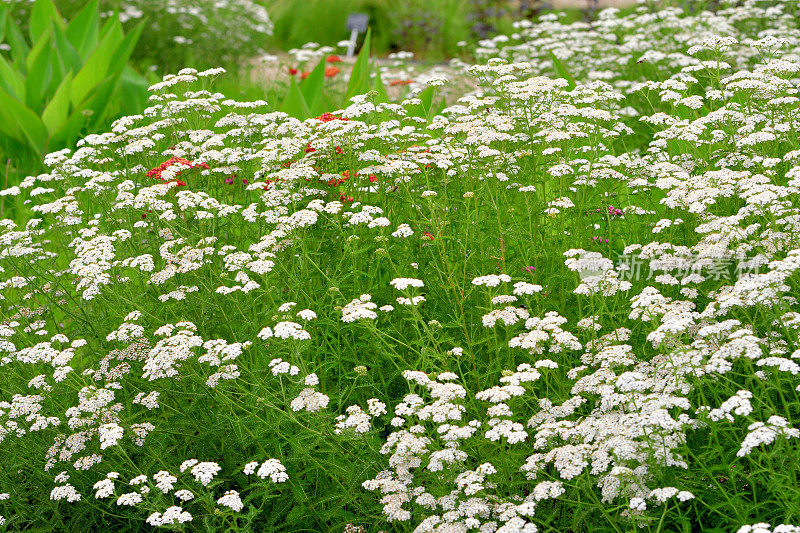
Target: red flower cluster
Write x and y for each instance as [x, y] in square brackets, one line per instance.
[294, 72]
[346, 175]
[310, 149]
[334, 59]
[400, 82]
[156, 172]
[327, 117]
[331, 72]
[333, 182]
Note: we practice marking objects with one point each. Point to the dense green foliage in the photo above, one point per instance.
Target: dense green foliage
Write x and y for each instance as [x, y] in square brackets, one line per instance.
[567, 301]
[62, 80]
[181, 32]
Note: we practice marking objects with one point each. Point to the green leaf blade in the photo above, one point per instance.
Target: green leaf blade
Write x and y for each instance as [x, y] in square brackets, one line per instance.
[43, 14]
[83, 31]
[11, 80]
[97, 67]
[57, 110]
[295, 104]
[40, 70]
[562, 71]
[26, 125]
[312, 88]
[359, 76]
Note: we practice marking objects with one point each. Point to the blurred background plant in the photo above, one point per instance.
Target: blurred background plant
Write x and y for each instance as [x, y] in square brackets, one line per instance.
[179, 33]
[432, 29]
[322, 89]
[59, 80]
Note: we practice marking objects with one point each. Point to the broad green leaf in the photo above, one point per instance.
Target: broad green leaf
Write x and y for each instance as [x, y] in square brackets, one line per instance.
[57, 111]
[83, 30]
[39, 47]
[109, 25]
[126, 90]
[437, 109]
[312, 86]
[132, 91]
[360, 73]
[25, 122]
[379, 87]
[3, 17]
[294, 104]
[562, 71]
[103, 101]
[40, 69]
[125, 48]
[426, 98]
[83, 117]
[11, 81]
[328, 102]
[70, 131]
[43, 14]
[65, 59]
[16, 39]
[10, 128]
[428, 107]
[97, 66]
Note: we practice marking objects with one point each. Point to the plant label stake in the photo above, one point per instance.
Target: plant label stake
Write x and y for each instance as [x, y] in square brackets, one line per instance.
[356, 23]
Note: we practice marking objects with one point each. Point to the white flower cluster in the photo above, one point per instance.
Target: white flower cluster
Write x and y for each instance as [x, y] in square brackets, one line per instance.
[361, 308]
[760, 433]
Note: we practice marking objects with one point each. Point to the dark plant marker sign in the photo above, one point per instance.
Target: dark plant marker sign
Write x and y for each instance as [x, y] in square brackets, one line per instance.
[356, 23]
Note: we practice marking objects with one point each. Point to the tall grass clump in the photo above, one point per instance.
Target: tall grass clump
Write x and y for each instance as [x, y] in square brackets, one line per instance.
[567, 302]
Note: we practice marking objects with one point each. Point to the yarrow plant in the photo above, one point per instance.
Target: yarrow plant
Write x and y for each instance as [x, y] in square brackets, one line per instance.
[409, 326]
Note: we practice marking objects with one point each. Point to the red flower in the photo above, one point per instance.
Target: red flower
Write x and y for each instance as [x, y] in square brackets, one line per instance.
[331, 72]
[304, 75]
[309, 149]
[327, 117]
[292, 71]
[428, 235]
[157, 171]
[334, 59]
[373, 178]
[400, 82]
